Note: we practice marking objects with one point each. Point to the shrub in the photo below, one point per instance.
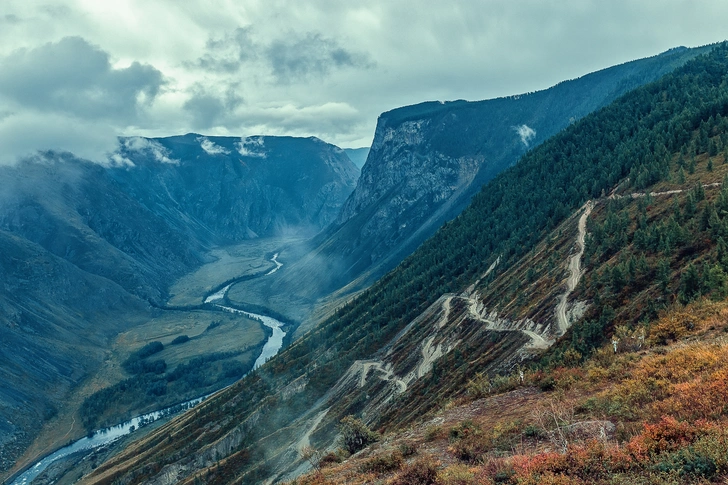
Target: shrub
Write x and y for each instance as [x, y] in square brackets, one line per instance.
[533, 431]
[180, 340]
[688, 462]
[384, 463]
[420, 472]
[432, 433]
[463, 430]
[407, 448]
[355, 435]
[329, 459]
[456, 475]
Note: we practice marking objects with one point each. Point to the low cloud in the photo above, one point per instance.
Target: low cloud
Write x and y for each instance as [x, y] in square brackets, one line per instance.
[26, 134]
[252, 146]
[210, 147]
[149, 147]
[526, 133]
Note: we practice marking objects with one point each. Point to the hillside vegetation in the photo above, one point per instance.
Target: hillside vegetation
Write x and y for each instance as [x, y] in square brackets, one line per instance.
[635, 392]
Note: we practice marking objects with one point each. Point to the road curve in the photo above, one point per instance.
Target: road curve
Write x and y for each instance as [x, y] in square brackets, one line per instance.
[574, 271]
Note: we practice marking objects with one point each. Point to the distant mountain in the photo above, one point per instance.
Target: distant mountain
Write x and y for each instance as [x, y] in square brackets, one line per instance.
[85, 249]
[237, 188]
[428, 160]
[357, 155]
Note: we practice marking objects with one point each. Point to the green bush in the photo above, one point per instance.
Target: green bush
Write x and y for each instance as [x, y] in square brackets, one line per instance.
[180, 340]
[355, 435]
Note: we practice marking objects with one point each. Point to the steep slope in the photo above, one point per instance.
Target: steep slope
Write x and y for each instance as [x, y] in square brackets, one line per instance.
[55, 322]
[428, 160]
[636, 390]
[417, 337]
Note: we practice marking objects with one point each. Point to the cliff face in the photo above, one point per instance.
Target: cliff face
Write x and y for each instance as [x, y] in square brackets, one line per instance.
[403, 183]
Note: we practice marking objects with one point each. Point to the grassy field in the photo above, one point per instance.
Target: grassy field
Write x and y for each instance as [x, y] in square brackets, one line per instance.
[245, 259]
[230, 333]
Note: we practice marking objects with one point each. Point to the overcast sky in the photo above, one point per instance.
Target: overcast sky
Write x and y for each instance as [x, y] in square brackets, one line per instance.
[74, 74]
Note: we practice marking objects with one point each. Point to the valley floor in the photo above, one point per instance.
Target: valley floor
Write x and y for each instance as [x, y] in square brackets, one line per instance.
[210, 332]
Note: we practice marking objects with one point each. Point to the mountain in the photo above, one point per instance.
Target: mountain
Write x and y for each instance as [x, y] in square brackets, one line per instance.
[89, 251]
[601, 234]
[426, 163]
[239, 188]
[357, 155]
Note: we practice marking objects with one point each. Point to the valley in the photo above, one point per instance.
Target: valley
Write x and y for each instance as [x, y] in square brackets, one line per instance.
[204, 332]
[563, 292]
[458, 276]
[136, 234]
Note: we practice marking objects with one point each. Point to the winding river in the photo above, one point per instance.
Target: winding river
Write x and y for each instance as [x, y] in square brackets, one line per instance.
[111, 434]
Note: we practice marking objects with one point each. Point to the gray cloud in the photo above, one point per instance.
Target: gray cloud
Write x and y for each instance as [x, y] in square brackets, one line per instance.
[227, 54]
[10, 19]
[76, 78]
[209, 109]
[295, 57]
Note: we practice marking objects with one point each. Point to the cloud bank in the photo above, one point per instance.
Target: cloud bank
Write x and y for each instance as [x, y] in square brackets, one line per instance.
[75, 74]
[67, 96]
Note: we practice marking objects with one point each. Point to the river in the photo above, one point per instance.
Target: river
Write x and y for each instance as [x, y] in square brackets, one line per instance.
[108, 435]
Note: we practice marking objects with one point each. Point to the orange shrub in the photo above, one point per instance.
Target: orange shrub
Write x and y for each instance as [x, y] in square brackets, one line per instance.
[668, 434]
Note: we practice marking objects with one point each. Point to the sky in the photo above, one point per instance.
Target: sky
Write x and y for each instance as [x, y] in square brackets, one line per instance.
[76, 74]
